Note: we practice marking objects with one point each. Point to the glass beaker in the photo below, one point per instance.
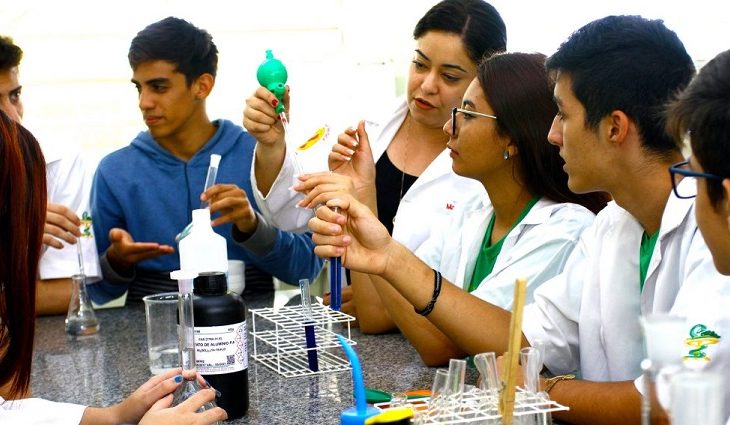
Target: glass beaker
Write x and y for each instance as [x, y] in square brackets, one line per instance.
[697, 397]
[163, 343]
[80, 319]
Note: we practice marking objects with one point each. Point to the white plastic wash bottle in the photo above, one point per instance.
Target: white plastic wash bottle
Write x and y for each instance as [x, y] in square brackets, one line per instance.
[203, 250]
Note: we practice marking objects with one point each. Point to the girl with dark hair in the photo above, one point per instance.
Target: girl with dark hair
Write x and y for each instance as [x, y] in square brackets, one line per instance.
[22, 214]
[526, 225]
[408, 174]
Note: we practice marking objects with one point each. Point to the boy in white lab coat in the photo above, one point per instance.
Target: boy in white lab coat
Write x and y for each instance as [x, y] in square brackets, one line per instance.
[68, 183]
[643, 253]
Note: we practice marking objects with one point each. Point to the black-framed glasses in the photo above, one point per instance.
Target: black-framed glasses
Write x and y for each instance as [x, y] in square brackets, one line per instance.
[466, 112]
[681, 171]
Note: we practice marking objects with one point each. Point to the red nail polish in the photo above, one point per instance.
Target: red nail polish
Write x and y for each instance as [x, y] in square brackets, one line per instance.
[275, 102]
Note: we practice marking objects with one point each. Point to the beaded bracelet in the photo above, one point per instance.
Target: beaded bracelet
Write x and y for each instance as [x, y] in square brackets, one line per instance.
[436, 291]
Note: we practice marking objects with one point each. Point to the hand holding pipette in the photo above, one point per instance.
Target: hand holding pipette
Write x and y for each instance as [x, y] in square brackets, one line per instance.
[62, 224]
[272, 74]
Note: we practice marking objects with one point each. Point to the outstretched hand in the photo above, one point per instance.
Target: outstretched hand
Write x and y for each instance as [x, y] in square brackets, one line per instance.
[351, 156]
[354, 233]
[124, 252]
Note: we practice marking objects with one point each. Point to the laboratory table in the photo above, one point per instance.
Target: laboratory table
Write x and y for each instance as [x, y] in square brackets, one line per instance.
[101, 370]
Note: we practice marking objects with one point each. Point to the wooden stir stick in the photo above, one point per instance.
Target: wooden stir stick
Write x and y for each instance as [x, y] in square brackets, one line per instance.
[509, 374]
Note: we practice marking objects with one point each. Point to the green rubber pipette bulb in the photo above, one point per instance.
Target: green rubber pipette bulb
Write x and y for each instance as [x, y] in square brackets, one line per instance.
[272, 75]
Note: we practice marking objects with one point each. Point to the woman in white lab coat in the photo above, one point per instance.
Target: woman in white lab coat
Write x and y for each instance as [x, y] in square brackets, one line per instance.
[414, 179]
[22, 214]
[525, 226]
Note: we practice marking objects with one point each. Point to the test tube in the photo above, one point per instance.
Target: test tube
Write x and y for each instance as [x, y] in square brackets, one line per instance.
[486, 364]
[336, 280]
[215, 159]
[455, 381]
[309, 336]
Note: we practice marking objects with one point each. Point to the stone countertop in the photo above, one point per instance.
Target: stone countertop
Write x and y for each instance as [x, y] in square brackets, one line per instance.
[102, 369]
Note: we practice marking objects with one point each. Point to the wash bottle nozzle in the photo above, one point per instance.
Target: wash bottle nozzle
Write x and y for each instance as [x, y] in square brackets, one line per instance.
[272, 75]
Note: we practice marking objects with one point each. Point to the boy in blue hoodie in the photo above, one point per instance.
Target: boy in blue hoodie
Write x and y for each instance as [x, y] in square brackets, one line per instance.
[143, 194]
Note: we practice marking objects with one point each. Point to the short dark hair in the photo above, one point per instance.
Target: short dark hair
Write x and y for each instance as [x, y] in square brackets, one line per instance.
[520, 92]
[477, 22]
[10, 54]
[703, 111]
[626, 63]
[175, 40]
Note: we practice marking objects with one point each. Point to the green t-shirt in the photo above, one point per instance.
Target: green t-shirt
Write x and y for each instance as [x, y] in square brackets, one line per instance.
[648, 242]
[488, 253]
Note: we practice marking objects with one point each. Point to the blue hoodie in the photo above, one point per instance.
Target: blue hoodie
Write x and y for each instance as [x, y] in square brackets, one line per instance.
[150, 193]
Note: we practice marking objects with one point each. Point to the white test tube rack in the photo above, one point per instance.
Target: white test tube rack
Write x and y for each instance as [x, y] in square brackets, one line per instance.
[279, 341]
[480, 406]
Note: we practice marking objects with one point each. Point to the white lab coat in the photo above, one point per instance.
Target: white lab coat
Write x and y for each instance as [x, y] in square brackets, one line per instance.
[536, 249]
[69, 183]
[36, 411]
[427, 204]
[588, 317]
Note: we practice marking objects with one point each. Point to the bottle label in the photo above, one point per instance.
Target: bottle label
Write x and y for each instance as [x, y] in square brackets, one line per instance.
[221, 349]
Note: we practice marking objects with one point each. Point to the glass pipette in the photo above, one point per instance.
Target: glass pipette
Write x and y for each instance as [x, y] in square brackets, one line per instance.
[80, 257]
[285, 124]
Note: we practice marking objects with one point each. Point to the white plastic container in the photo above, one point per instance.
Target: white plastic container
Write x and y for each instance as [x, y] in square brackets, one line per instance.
[203, 250]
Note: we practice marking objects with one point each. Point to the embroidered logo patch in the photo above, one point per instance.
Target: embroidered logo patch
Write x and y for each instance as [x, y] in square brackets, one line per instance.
[86, 225]
[700, 338]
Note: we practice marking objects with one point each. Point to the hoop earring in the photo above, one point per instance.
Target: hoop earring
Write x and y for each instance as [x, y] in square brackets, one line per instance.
[505, 155]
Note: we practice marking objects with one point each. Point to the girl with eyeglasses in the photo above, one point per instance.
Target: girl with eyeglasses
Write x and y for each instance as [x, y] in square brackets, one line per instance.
[526, 225]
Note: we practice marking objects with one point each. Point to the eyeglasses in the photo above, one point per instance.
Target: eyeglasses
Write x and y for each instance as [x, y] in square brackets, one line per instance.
[681, 170]
[466, 112]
